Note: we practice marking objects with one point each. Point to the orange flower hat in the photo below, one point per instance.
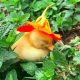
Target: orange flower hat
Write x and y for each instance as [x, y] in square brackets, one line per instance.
[41, 24]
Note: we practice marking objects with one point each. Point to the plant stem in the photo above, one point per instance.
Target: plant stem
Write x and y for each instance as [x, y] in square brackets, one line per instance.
[44, 12]
[29, 77]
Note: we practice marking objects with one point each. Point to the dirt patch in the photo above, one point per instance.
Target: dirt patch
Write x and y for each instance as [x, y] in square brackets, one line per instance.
[68, 35]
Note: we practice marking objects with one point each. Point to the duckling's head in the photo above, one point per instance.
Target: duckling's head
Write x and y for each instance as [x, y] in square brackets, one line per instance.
[40, 40]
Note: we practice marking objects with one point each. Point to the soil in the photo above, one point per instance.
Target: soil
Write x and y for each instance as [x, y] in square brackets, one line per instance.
[71, 34]
[68, 35]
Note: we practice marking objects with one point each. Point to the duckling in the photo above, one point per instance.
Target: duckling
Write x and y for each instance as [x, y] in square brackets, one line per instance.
[36, 43]
[32, 46]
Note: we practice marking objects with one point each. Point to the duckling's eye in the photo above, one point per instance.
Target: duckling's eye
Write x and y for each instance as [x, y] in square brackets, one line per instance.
[43, 44]
[44, 41]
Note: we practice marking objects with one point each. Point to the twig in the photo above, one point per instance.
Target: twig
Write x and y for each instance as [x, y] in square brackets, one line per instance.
[29, 77]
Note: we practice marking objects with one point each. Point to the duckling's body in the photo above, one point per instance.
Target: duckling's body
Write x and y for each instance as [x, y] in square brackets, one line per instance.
[32, 46]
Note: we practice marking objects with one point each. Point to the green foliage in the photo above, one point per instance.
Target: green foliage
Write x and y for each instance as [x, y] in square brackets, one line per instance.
[77, 58]
[75, 41]
[63, 63]
[60, 58]
[29, 67]
[6, 59]
[77, 17]
[12, 75]
[48, 68]
[5, 29]
[40, 75]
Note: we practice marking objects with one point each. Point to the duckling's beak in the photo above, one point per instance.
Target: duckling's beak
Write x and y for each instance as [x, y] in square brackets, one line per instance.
[50, 47]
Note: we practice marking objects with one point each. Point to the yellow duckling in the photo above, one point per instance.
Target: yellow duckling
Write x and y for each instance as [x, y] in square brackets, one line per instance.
[36, 43]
